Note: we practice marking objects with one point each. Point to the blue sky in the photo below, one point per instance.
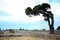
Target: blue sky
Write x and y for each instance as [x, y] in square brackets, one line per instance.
[12, 14]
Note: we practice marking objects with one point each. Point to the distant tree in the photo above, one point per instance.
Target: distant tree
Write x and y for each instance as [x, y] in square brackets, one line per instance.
[58, 28]
[11, 30]
[42, 9]
[0, 29]
[43, 29]
[36, 29]
[21, 29]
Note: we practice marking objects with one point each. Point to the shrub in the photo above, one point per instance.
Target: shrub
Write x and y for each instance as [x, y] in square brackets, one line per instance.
[43, 29]
[21, 29]
[11, 30]
[0, 29]
[58, 28]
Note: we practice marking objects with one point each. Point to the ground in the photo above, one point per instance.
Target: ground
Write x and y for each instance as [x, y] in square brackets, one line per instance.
[28, 35]
[22, 38]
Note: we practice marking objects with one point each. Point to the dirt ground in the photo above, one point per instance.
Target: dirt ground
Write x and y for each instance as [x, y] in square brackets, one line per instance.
[32, 35]
[22, 38]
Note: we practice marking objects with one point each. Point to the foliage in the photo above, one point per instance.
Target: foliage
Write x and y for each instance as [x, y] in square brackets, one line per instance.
[36, 9]
[11, 30]
[58, 28]
[0, 29]
[43, 29]
[21, 29]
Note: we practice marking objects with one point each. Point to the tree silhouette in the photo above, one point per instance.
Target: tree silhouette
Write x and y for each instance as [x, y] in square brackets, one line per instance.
[58, 28]
[42, 9]
[0, 29]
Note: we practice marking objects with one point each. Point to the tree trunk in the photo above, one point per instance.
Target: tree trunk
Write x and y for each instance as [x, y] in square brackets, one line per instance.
[49, 24]
[52, 25]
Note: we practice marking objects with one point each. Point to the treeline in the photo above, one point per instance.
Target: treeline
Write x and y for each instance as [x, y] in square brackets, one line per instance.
[58, 28]
[10, 30]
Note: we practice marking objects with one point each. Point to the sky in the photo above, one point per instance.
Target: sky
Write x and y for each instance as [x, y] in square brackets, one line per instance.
[12, 14]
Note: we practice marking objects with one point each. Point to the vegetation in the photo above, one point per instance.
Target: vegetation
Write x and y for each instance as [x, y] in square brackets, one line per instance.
[23, 38]
[42, 9]
[43, 29]
[11, 30]
[21, 29]
[58, 28]
[0, 29]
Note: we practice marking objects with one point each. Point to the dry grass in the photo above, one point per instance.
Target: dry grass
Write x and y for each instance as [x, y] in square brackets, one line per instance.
[32, 36]
[22, 38]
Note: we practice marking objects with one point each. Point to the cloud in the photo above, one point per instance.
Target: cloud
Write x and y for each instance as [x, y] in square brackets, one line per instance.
[41, 1]
[55, 7]
[16, 9]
